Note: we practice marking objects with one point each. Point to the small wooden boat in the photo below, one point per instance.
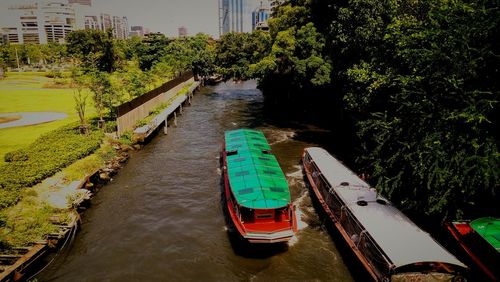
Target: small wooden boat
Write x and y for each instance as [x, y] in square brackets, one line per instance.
[387, 243]
[480, 241]
[256, 190]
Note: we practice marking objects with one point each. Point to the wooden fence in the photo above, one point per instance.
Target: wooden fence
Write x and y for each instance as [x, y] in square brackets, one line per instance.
[131, 112]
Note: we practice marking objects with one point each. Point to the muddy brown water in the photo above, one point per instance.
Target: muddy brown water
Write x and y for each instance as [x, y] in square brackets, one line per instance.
[161, 218]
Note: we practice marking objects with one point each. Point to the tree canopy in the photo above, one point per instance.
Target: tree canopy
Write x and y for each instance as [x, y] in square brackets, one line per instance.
[420, 79]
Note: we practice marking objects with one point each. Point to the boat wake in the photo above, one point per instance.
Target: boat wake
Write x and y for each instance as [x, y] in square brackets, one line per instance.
[278, 136]
[295, 177]
[301, 224]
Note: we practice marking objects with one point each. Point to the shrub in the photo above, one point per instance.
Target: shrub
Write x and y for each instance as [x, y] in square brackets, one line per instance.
[47, 155]
[127, 138]
[110, 126]
[16, 156]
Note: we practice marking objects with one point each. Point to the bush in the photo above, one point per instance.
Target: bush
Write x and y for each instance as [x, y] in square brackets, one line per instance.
[127, 138]
[16, 156]
[54, 74]
[110, 126]
[47, 155]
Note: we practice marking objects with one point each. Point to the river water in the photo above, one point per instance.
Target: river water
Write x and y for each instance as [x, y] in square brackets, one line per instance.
[161, 217]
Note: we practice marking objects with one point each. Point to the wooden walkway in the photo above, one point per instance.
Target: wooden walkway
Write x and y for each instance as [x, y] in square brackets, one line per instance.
[143, 132]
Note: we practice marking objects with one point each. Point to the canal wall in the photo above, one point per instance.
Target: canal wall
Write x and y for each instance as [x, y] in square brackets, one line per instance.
[131, 112]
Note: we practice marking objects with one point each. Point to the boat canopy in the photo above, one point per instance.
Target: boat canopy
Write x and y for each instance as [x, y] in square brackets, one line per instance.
[255, 176]
[403, 242]
[489, 229]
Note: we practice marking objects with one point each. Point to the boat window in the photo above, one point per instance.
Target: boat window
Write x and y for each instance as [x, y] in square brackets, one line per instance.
[235, 139]
[245, 191]
[277, 189]
[232, 153]
[382, 202]
[264, 159]
[344, 183]
[269, 172]
[267, 152]
[242, 173]
[237, 160]
[264, 215]
[247, 215]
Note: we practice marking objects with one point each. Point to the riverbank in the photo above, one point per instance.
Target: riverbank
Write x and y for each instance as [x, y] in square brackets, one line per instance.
[63, 196]
[161, 216]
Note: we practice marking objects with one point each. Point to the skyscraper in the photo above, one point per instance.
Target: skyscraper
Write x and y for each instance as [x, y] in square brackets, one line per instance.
[231, 14]
[182, 31]
[260, 17]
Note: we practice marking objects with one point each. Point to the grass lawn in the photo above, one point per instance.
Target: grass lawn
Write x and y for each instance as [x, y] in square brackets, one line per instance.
[23, 92]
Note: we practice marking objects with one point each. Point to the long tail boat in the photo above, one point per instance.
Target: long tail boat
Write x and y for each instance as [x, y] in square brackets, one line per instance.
[480, 241]
[256, 191]
[386, 242]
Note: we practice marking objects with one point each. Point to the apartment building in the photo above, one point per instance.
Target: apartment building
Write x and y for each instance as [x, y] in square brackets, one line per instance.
[51, 20]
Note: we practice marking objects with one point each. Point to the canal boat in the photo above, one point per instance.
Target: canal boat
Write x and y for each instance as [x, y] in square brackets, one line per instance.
[480, 241]
[256, 191]
[387, 243]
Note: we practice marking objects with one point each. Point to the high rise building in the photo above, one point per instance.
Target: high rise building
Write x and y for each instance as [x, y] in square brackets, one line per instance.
[137, 30]
[47, 21]
[40, 22]
[120, 27]
[59, 20]
[231, 14]
[260, 17]
[105, 21]
[182, 31]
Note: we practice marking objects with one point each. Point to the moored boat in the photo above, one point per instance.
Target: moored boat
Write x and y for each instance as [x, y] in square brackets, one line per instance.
[387, 243]
[480, 241]
[256, 191]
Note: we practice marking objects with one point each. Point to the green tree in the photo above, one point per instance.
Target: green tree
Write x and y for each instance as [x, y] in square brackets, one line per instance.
[103, 92]
[80, 97]
[295, 60]
[432, 104]
[93, 49]
[235, 52]
[151, 50]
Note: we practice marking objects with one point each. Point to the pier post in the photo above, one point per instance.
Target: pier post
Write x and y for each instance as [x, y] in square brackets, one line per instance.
[175, 119]
[180, 109]
[165, 129]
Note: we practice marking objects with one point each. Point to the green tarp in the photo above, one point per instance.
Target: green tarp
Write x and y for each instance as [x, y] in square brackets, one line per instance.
[255, 176]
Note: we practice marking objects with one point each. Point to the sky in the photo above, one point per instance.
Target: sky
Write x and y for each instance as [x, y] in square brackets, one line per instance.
[164, 16]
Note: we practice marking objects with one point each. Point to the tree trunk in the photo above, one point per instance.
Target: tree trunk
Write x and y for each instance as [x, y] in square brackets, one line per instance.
[84, 130]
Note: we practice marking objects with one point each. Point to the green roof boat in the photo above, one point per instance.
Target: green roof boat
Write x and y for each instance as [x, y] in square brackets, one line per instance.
[257, 192]
[480, 241]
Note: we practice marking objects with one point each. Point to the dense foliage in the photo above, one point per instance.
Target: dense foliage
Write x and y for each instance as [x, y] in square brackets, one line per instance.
[420, 79]
[33, 55]
[94, 49]
[235, 52]
[47, 155]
